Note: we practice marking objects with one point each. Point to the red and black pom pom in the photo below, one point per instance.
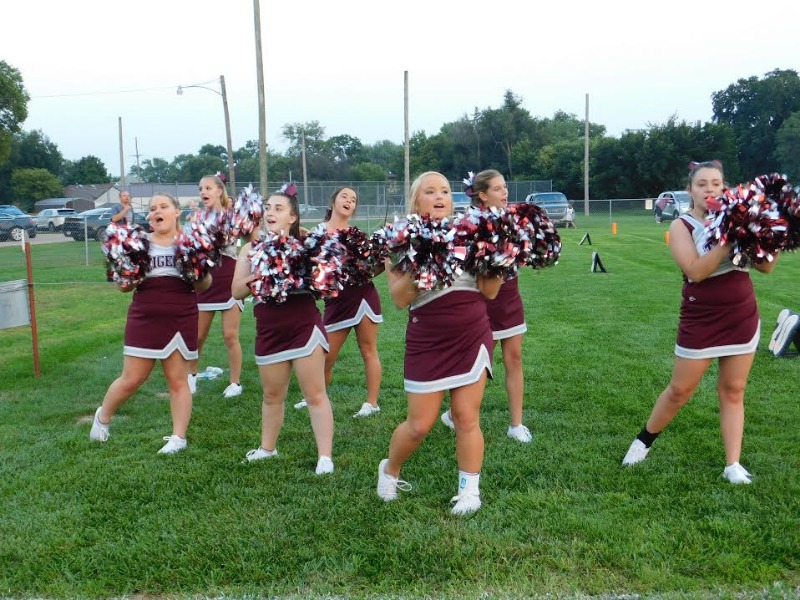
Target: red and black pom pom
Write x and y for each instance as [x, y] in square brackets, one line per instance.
[126, 250]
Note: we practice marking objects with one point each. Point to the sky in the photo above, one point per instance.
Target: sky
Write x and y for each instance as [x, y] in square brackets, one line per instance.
[89, 63]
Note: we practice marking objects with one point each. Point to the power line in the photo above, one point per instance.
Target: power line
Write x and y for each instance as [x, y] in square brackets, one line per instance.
[164, 87]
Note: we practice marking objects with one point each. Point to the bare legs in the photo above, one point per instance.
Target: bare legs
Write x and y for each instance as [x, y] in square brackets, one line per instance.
[423, 410]
[367, 337]
[230, 335]
[512, 361]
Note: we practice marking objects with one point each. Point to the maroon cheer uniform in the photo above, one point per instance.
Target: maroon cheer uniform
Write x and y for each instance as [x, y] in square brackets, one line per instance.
[352, 304]
[719, 316]
[448, 338]
[162, 316]
[218, 296]
[288, 330]
[506, 313]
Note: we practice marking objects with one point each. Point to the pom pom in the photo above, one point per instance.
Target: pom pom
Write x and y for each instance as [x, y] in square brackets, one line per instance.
[748, 217]
[784, 194]
[486, 236]
[197, 247]
[325, 255]
[536, 236]
[248, 211]
[126, 251]
[279, 263]
[362, 257]
[425, 248]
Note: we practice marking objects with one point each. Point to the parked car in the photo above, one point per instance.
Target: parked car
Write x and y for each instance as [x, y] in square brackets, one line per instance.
[52, 219]
[461, 202]
[14, 222]
[554, 204]
[671, 205]
[96, 221]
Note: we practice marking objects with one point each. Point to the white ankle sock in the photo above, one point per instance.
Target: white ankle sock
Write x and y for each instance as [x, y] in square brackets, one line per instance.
[468, 482]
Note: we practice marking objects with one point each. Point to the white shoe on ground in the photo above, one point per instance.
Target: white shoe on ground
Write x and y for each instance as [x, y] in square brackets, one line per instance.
[636, 453]
[193, 383]
[447, 419]
[736, 473]
[520, 433]
[784, 333]
[260, 454]
[99, 432]
[301, 404]
[367, 409]
[174, 444]
[324, 465]
[388, 485]
[465, 503]
[234, 389]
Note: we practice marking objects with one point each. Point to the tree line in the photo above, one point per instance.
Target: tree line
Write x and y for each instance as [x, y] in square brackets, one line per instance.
[755, 129]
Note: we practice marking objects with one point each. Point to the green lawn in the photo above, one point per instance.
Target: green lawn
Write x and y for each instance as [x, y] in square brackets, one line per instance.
[561, 517]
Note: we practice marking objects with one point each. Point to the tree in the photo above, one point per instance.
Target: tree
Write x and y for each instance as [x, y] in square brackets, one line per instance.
[313, 132]
[29, 150]
[756, 109]
[86, 170]
[505, 127]
[157, 170]
[30, 185]
[368, 172]
[787, 146]
[13, 106]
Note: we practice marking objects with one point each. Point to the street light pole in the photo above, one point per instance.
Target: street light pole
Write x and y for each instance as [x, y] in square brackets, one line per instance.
[224, 94]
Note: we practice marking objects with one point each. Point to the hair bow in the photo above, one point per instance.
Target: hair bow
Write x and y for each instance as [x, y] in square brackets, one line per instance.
[290, 189]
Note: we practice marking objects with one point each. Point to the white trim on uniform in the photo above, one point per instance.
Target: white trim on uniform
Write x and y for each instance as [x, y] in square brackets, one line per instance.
[719, 351]
[364, 310]
[176, 343]
[317, 338]
[215, 306]
[504, 334]
[482, 361]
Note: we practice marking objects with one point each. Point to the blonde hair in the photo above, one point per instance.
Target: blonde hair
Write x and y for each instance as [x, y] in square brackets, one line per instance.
[413, 192]
[225, 200]
[174, 202]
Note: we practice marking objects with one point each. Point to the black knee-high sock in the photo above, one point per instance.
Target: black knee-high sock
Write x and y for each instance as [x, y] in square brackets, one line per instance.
[646, 437]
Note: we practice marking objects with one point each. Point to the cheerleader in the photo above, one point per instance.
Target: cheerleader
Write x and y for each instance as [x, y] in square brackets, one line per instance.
[506, 313]
[356, 307]
[718, 319]
[441, 354]
[289, 335]
[218, 298]
[161, 325]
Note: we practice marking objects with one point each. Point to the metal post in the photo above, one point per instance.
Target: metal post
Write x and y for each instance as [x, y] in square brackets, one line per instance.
[231, 173]
[262, 117]
[32, 304]
[305, 170]
[586, 160]
[407, 169]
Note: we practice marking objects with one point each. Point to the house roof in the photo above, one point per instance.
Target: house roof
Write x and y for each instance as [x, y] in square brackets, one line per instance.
[89, 191]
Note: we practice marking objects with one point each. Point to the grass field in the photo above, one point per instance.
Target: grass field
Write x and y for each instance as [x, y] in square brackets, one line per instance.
[561, 517]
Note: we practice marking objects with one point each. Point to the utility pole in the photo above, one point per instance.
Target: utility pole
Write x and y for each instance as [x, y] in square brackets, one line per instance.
[407, 170]
[138, 166]
[305, 170]
[262, 117]
[586, 160]
[231, 172]
[121, 157]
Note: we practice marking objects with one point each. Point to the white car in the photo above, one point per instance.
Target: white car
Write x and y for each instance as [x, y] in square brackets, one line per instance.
[52, 219]
[671, 205]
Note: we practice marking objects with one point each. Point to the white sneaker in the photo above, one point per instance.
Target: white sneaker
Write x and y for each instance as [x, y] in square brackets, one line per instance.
[234, 389]
[736, 473]
[99, 432]
[301, 404]
[174, 444]
[259, 454]
[388, 485]
[520, 433]
[636, 453]
[784, 333]
[447, 419]
[324, 465]
[465, 503]
[192, 383]
[367, 409]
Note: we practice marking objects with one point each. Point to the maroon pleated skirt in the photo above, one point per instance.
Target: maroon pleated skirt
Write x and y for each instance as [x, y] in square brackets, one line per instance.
[352, 305]
[506, 312]
[448, 343]
[288, 330]
[218, 296]
[719, 317]
[162, 318]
